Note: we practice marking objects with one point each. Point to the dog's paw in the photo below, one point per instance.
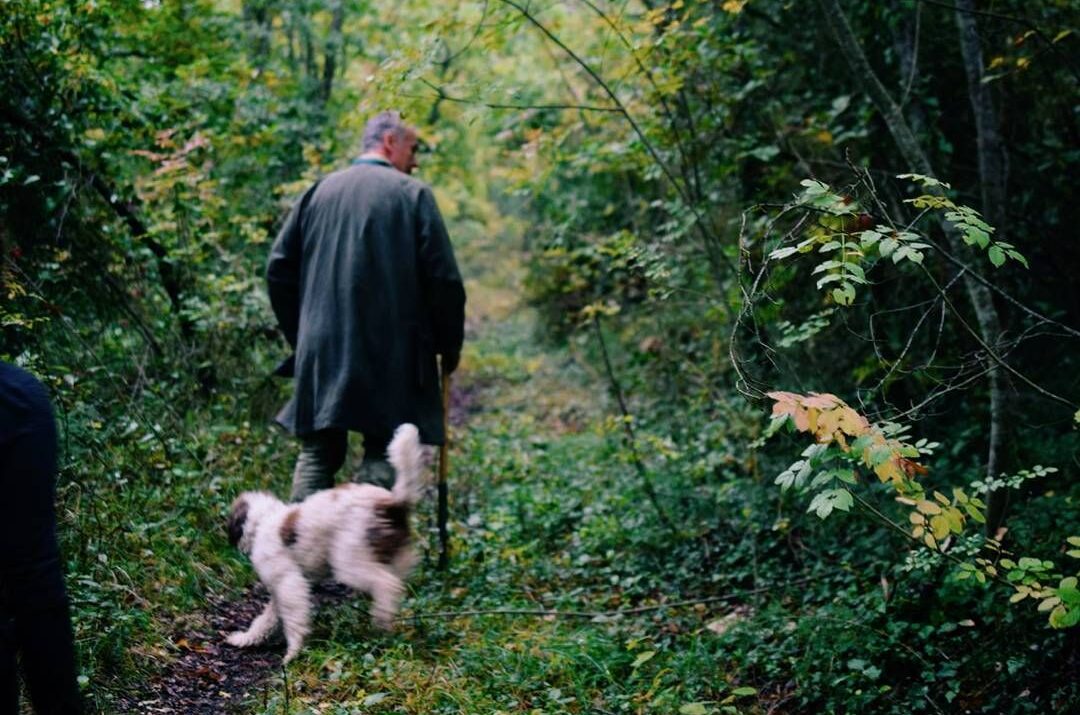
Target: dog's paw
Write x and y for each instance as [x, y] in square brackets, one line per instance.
[383, 621]
[238, 639]
[291, 653]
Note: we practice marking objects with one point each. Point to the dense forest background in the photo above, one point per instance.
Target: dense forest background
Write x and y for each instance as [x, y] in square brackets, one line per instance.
[676, 219]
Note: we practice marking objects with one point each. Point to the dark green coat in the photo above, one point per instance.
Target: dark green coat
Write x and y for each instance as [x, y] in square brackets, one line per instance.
[365, 287]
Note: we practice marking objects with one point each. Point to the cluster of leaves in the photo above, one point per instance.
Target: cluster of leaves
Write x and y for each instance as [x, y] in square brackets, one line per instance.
[855, 252]
[968, 221]
[935, 518]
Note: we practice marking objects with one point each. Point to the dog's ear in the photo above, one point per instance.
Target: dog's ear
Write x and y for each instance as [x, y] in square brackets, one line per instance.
[237, 518]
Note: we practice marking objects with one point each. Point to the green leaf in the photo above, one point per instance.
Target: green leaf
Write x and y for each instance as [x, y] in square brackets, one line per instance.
[826, 265]
[744, 691]
[764, 153]
[643, 658]
[1062, 617]
[693, 709]
[831, 278]
[824, 502]
[975, 514]
[924, 180]
[843, 499]
[844, 295]
[869, 238]
[978, 236]
[996, 255]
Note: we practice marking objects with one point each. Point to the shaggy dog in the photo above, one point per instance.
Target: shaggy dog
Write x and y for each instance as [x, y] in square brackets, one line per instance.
[357, 533]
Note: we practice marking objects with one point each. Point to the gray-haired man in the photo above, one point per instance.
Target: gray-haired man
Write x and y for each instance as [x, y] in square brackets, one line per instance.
[364, 284]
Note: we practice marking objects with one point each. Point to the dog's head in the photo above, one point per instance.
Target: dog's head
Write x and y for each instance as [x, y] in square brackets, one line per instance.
[245, 515]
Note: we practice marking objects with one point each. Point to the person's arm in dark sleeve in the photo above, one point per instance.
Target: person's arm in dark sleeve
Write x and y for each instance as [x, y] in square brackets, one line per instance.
[283, 271]
[441, 282]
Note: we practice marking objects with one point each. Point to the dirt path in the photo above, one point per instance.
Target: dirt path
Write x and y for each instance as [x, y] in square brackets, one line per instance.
[212, 678]
[209, 677]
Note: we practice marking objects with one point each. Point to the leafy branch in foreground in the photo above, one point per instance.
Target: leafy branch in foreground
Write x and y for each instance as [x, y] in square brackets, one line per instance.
[846, 443]
[843, 230]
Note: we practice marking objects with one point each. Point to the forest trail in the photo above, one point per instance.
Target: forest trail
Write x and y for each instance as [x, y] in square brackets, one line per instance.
[510, 388]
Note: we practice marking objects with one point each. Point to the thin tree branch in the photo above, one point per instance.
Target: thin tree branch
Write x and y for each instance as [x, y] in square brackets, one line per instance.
[497, 105]
[542, 612]
[631, 439]
[1016, 20]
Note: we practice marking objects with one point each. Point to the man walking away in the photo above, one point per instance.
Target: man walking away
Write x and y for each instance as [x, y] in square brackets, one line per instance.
[365, 287]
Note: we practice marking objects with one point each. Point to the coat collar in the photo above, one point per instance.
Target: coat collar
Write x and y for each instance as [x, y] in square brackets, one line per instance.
[379, 161]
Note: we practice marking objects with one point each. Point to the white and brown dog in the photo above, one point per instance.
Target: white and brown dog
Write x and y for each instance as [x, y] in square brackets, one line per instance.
[356, 533]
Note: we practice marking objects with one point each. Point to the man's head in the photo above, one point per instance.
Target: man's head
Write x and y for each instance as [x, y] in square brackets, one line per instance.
[389, 137]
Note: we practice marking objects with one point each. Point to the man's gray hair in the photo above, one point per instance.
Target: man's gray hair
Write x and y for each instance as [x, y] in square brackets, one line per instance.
[379, 125]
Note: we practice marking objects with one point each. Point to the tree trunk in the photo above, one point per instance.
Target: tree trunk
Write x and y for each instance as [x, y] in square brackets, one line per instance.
[992, 159]
[309, 50]
[330, 54]
[258, 16]
[978, 294]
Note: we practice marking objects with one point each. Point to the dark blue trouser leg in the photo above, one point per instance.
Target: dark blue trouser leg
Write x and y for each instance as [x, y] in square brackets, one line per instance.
[34, 618]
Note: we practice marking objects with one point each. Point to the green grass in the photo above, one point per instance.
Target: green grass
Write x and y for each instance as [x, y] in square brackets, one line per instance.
[547, 513]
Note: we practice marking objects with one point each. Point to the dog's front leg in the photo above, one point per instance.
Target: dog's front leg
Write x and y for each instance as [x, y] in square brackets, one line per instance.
[259, 631]
[293, 600]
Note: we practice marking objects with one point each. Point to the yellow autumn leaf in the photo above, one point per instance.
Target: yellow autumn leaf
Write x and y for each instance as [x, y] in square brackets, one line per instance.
[734, 6]
[939, 525]
[821, 400]
[852, 423]
[889, 471]
[928, 507]
[955, 519]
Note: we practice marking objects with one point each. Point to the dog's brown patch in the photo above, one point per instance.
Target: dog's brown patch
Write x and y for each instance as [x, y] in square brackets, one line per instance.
[288, 527]
[237, 518]
[390, 531]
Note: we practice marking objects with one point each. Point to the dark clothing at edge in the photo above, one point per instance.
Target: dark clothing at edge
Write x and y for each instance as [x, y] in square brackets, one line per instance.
[35, 624]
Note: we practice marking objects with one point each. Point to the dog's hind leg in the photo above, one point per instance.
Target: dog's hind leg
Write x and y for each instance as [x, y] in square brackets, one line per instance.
[292, 597]
[264, 626]
[384, 586]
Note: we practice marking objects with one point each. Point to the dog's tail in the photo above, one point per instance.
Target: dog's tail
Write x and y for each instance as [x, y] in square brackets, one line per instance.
[408, 461]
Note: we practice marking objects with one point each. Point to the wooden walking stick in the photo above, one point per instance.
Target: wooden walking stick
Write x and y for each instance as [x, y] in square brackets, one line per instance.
[444, 456]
